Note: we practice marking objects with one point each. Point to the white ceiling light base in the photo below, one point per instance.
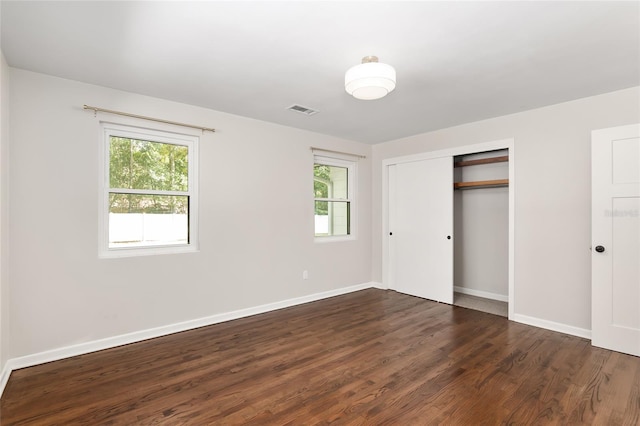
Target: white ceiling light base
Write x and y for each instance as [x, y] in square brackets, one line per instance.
[370, 80]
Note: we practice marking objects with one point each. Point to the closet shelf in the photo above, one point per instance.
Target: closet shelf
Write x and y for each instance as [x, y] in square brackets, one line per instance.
[502, 159]
[481, 183]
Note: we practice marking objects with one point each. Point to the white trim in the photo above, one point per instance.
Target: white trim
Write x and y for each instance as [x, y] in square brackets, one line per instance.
[480, 293]
[379, 286]
[333, 238]
[138, 336]
[352, 176]
[6, 373]
[329, 153]
[148, 192]
[116, 253]
[512, 229]
[553, 326]
[192, 142]
[452, 152]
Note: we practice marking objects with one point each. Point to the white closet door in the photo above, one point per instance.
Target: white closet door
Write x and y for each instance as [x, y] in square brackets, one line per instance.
[421, 228]
[615, 215]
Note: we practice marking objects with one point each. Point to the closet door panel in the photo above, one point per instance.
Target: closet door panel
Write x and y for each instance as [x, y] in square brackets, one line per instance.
[615, 230]
[421, 223]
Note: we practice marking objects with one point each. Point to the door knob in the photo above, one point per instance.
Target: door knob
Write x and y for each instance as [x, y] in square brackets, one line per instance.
[599, 249]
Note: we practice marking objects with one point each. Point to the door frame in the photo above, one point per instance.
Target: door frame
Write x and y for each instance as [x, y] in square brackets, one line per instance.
[452, 152]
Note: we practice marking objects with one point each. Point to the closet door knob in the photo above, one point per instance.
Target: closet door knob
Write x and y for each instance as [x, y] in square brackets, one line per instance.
[599, 249]
[448, 237]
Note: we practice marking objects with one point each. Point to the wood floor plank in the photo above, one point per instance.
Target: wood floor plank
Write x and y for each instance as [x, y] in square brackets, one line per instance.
[370, 357]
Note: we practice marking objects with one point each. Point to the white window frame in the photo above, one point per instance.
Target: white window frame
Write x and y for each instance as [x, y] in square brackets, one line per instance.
[139, 133]
[351, 167]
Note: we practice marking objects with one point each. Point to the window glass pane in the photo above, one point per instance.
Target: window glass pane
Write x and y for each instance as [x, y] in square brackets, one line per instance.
[332, 218]
[330, 181]
[320, 188]
[137, 164]
[143, 220]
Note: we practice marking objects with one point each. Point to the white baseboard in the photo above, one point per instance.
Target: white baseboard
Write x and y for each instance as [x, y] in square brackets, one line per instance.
[553, 326]
[379, 286]
[4, 378]
[138, 336]
[480, 293]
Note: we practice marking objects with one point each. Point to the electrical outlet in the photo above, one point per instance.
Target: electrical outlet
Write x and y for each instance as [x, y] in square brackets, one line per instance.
[305, 275]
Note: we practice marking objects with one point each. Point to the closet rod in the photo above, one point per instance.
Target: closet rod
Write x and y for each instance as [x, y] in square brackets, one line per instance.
[502, 159]
[481, 183]
[142, 117]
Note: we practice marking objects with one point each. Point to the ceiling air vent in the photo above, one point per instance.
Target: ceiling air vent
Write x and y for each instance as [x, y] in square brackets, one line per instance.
[302, 110]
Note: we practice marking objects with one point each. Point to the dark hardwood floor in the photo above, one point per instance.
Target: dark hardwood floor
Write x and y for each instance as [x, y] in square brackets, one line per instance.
[373, 357]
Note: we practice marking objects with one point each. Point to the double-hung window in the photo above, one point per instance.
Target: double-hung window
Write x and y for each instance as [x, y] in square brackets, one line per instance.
[333, 188]
[149, 196]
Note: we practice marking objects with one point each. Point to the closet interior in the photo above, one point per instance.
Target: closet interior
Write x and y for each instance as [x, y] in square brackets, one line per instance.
[481, 231]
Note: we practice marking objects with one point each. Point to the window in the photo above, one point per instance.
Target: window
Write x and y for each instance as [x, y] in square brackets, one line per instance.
[149, 197]
[333, 196]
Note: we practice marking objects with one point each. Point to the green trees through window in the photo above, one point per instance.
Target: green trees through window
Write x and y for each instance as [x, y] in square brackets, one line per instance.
[321, 182]
[145, 165]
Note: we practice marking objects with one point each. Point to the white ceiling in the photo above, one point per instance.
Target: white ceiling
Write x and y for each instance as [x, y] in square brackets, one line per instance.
[456, 62]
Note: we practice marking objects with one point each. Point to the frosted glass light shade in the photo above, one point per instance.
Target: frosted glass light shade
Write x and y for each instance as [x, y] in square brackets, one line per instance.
[370, 80]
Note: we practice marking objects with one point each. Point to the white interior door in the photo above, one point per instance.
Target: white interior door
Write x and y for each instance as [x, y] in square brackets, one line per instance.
[421, 228]
[616, 239]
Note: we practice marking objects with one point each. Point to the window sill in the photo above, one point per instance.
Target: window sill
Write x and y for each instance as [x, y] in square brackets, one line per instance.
[334, 239]
[146, 251]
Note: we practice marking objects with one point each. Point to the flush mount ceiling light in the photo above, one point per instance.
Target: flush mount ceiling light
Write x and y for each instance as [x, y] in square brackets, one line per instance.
[370, 80]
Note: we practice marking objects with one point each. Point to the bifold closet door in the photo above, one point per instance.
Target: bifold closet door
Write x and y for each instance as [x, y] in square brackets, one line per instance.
[421, 228]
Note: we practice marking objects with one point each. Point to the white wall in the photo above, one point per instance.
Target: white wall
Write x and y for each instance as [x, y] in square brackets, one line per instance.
[256, 221]
[552, 196]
